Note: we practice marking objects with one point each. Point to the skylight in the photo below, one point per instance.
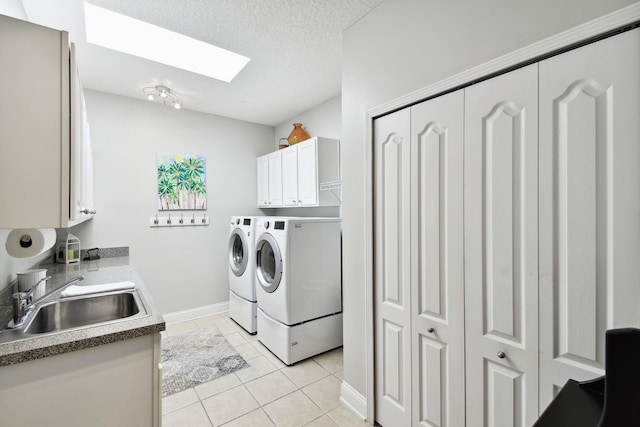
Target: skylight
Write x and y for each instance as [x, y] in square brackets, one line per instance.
[134, 37]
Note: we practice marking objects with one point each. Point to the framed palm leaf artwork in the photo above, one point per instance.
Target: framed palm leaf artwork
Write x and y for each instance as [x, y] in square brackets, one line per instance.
[182, 182]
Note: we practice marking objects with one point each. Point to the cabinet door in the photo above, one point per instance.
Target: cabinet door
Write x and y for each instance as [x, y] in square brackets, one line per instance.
[290, 176]
[501, 249]
[81, 161]
[275, 179]
[589, 206]
[34, 125]
[111, 384]
[437, 266]
[263, 180]
[392, 274]
[308, 172]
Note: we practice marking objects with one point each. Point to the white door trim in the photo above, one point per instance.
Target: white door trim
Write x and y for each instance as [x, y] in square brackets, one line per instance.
[599, 26]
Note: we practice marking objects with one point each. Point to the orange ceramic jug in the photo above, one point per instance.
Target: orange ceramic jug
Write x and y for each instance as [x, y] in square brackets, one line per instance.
[297, 134]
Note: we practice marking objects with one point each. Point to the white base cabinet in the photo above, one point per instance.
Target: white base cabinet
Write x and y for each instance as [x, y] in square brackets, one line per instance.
[484, 309]
[45, 154]
[304, 169]
[117, 384]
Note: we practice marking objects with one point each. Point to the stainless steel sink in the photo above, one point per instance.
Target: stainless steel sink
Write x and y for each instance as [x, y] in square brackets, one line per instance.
[65, 314]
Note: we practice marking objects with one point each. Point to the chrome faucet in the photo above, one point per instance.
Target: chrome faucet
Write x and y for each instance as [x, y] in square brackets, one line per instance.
[23, 301]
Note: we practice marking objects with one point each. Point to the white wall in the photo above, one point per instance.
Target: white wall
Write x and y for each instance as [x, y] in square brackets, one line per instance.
[13, 8]
[399, 47]
[183, 267]
[322, 120]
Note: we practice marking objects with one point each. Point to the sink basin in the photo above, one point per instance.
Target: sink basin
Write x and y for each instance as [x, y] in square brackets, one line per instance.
[71, 313]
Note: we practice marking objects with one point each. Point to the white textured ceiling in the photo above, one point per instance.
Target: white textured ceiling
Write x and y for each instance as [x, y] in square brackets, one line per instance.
[294, 46]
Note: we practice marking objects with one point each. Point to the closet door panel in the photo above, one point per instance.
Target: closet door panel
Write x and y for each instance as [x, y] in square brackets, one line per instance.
[505, 391]
[501, 249]
[392, 254]
[437, 264]
[589, 206]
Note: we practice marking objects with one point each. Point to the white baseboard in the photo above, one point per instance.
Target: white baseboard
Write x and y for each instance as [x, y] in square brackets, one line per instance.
[353, 400]
[195, 313]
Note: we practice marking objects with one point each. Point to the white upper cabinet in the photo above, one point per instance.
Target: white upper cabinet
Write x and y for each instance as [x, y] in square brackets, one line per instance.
[275, 179]
[308, 168]
[263, 180]
[309, 175]
[270, 180]
[45, 152]
[290, 176]
[300, 174]
[81, 156]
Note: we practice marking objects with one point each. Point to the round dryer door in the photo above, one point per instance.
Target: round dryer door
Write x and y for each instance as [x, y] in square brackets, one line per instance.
[268, 263]
[238, 255]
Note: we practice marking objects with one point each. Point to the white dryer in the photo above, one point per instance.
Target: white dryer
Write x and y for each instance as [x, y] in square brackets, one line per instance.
[242, 276]
[299, 286]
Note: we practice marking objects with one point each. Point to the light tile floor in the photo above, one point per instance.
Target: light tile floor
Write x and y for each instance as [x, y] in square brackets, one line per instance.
[268, 393]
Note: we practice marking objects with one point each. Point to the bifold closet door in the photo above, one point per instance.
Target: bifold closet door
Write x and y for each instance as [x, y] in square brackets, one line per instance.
[589, 206]
[437, 263]
[392, 268]
[419, 267]
[501, 249]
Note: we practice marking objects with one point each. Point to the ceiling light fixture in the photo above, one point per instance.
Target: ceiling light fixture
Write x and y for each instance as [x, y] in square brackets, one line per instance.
[162, 94]
[134, 37]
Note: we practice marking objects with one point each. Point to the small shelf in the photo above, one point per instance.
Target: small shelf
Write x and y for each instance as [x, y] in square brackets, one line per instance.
[334, 187]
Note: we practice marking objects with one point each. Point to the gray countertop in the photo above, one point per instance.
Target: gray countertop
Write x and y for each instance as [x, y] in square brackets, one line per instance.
[107, 270]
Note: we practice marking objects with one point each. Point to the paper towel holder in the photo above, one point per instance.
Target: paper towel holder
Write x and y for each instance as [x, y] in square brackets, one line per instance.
[26, 241]
[29, 242]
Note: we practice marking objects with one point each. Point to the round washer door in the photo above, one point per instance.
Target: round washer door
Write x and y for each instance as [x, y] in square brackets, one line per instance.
[238, 256]
[268, 263]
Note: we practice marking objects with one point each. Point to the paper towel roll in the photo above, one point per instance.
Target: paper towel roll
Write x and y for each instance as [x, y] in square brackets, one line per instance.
[30, 242]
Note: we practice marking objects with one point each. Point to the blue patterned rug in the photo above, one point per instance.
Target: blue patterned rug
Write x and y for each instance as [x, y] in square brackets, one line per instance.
[196, 357]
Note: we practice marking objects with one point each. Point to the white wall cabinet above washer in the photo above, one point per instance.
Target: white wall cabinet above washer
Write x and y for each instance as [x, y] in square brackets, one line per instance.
[45, 155]
[300, 174]
[290, 176]
[270, 180]
[306, 168]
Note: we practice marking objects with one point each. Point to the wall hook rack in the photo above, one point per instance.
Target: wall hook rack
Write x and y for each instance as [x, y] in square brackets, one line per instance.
[175, 221]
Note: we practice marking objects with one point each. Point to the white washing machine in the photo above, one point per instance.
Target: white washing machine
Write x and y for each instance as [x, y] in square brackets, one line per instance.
[242, 273]
[299, 286]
